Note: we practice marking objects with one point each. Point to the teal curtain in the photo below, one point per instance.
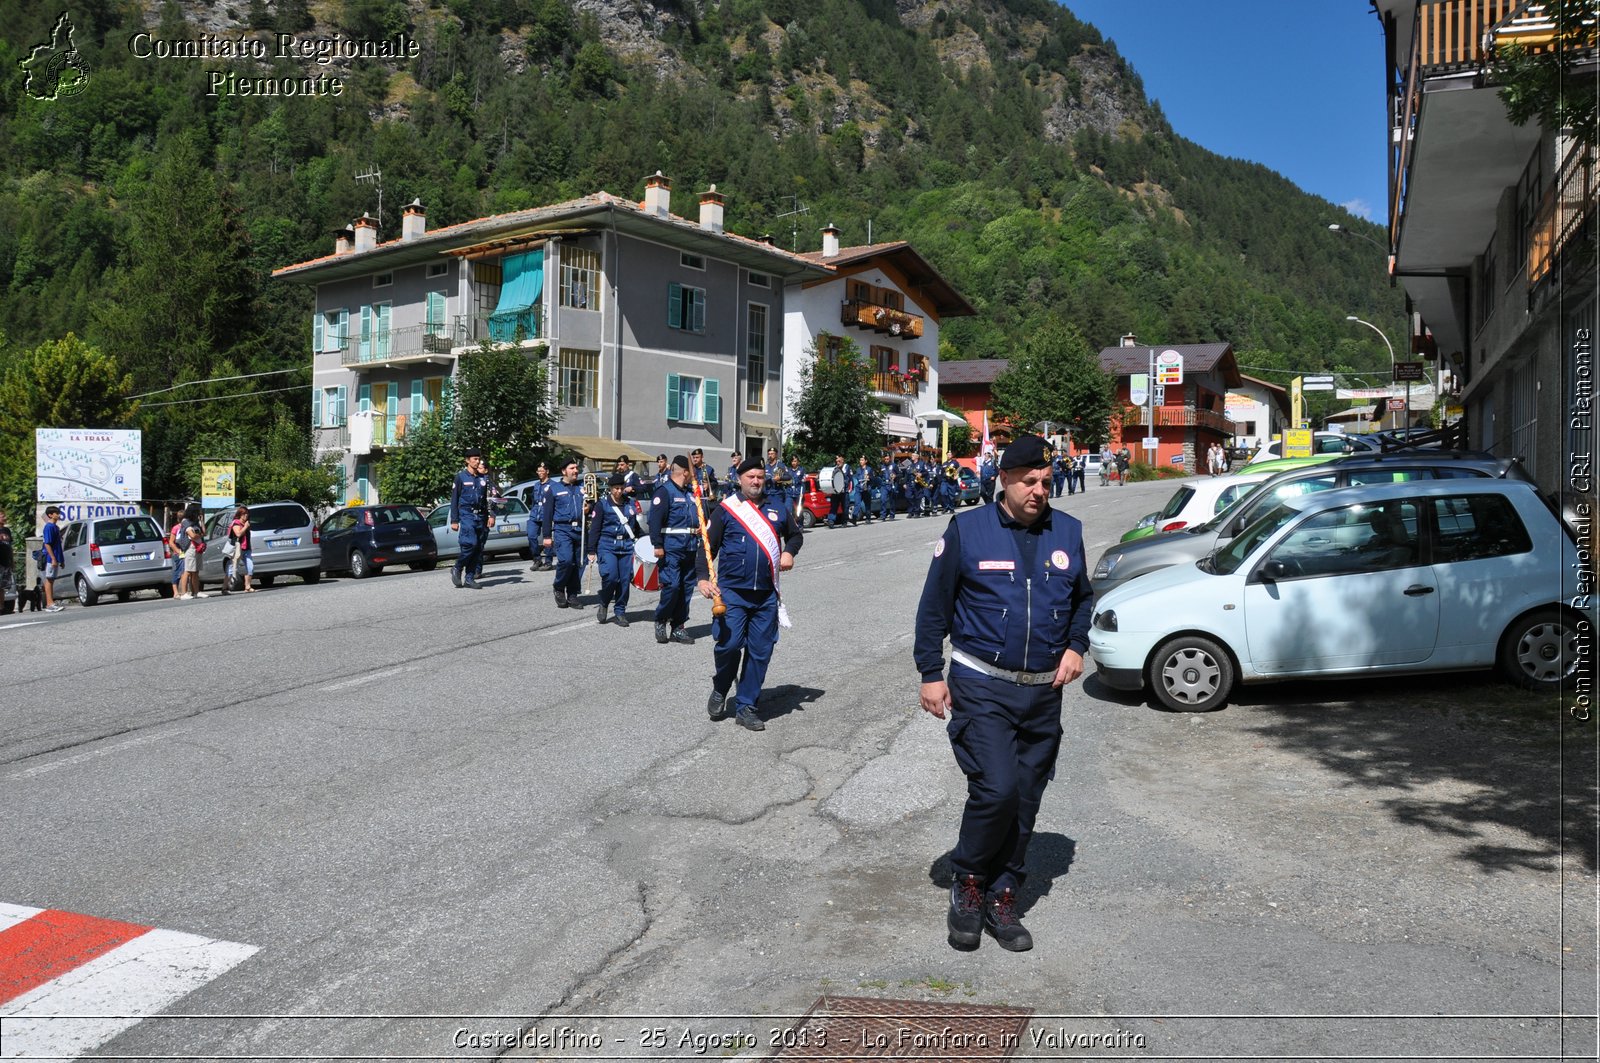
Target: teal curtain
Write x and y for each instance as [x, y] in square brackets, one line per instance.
[521, 284]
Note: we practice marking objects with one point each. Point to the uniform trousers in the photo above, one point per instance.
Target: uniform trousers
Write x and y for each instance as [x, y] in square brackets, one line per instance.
[1005, 737]
[885, 503]
[925, 501]
[615, 558]
[745, 635]
[676, 577]
[568, 546]
[471, 538]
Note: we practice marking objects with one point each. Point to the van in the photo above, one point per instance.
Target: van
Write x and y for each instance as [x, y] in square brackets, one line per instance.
[115, 555]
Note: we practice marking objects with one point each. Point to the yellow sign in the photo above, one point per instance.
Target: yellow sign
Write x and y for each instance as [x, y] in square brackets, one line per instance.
[218, 484]
[1297, 442]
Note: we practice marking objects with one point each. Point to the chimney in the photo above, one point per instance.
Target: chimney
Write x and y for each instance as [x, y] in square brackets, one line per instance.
[711, 209]
[344, 240]
[366, 233]
[830, 241]
[768, 239]
[413, 222]
[658, 195]
[1129, 340]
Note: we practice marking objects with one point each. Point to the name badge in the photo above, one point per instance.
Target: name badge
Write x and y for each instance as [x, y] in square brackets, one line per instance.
[997, 566]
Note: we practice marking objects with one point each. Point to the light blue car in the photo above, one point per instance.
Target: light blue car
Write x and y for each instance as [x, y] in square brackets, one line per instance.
[508, 536]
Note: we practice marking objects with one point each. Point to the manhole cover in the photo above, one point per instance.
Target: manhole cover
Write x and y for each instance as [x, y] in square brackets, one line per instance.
[846, 1028]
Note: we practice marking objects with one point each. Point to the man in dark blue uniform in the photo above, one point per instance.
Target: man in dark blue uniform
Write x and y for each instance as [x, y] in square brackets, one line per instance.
[861, 504]
[753, 542]
[1058, 473]
[674, 532]
[632, 486]
[1024, 560]
[703, 475]
[734, 461]
[470, 519]
[536, 530]
[563, 524]
[988, 469]
[662, 473]
[949, 485]
[777, 479]
[886, 489]
[609, 541]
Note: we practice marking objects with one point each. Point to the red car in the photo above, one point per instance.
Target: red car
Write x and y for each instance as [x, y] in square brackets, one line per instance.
[814, 505]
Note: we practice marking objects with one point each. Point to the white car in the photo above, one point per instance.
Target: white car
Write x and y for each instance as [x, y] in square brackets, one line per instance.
[1422, 576]
[1200, 498]
[1321, 443]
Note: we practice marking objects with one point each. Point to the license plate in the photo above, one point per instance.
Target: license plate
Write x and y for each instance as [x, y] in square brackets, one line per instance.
[134, 557]
[508, 529]
[284, 542]
[406, 549]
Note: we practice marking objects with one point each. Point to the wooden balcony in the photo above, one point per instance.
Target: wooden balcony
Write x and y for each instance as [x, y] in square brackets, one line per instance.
[1180, 417]
[881, 319]
[886, 383]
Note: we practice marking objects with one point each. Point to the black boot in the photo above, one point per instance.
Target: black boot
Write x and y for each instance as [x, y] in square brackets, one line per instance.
[1000, 919]
[455, 575]
[682, 637]
[561, 599]
[966, 912]
[661, 631]
[600, 613]
[717, 705]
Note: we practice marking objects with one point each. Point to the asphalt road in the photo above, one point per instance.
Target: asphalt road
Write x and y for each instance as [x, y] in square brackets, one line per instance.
[482, 811]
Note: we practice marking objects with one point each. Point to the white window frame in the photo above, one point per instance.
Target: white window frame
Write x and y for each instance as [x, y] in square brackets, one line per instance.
[573, 274]
[383, 280]
[759, 280]
[690, 260]
[438, 269]
[563, 381]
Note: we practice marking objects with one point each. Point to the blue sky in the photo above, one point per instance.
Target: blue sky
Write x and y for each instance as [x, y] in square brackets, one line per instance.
[1296, 85]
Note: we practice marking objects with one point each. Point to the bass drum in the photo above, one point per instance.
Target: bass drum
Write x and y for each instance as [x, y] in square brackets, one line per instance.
[831, 480]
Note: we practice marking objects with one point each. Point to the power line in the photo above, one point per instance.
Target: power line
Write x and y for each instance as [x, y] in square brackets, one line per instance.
[217, 398]
[218, 380]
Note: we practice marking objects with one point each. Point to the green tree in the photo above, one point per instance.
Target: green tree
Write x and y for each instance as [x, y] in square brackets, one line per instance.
[273, 463]
[1056, 377]
[1543, 85]
[962, 442]
[503, 407]
[833, 409]
[420, 472]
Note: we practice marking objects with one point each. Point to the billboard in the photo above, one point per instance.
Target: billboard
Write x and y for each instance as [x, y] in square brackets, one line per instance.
[88, 464]
[218, 482]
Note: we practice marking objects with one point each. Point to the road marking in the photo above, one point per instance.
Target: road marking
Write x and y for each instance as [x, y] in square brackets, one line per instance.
[371, 678]
[25, 623]
[79, 758]
[886, 553]
[69, 983]
[569, 627]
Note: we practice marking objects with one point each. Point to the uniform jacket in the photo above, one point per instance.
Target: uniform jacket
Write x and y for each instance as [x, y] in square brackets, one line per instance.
[741, 564]
[672, 507]
[994, 605]
[612, 524]
[469, 498]
[563, 505]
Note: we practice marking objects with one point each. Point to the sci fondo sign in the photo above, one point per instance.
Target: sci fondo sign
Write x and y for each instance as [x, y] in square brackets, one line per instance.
[88, 464]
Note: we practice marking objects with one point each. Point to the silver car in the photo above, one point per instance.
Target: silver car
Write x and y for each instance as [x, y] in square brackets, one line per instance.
[114, 555]
[284, 540]
[508, 536]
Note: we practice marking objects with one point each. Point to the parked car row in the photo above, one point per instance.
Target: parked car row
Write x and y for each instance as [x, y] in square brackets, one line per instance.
[1423, 561]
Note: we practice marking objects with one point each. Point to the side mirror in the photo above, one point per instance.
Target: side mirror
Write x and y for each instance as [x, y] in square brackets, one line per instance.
[1273, 570]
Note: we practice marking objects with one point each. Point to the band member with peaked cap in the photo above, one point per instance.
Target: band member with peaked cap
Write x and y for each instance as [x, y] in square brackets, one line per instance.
[612, 531]
[753, 542]
[1010, 588]
[674, 532]
[470, 519]
[563, 530]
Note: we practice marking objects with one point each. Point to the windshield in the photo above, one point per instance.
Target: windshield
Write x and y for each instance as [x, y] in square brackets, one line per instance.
[393, 514]
[1230, 557]
[1175, 504]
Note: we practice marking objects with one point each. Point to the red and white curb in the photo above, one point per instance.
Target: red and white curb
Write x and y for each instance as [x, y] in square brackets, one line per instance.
[69, 983]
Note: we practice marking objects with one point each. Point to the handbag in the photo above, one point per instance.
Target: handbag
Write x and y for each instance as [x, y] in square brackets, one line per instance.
[230, 549]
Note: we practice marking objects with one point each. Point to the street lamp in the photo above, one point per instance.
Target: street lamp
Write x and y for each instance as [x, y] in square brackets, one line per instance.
[1335, 227]
[1386, 343]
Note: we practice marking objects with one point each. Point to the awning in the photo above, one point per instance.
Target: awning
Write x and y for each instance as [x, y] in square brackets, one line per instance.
[896, 425]
[521, 285]
[752, 425]
[598, 448]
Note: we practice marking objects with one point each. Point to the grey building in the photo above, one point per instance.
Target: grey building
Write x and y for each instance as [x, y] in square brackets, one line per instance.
[662, 334]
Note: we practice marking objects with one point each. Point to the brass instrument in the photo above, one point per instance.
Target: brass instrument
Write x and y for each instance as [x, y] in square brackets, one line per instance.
[951, 474]
[591, 486]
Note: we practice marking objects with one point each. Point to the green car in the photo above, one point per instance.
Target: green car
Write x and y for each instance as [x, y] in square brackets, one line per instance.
[1275, 465]
[1145, 527]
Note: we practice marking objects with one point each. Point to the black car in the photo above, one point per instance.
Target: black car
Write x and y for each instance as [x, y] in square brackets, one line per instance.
[361, 540]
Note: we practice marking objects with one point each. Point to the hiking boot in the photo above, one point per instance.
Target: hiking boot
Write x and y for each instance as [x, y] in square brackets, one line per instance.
[717, 706]
[561, 599]
[747, 718]
[1000, 919]
[682, 637]
[661, 631]
[455, 576]
[966, 912]
[471, 584]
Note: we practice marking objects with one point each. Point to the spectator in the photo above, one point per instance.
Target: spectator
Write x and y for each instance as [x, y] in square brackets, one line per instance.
[243, 557]
[8, 588]
[175, 539]
[192, 538]
[52, 557]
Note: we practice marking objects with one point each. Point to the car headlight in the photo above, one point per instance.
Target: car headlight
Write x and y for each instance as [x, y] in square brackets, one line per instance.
[1103, 567]
[1106, 620]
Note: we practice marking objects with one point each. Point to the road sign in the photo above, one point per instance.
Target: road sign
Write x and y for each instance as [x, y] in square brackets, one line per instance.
[1396, 404]
[1404, 371]
[1169, 368]
[1297, 442]
[1158, 395]
[1151, 442]
[1316, 383]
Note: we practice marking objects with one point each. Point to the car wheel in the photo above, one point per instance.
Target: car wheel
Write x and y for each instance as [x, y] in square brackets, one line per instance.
[808, 519]
[310, 575]
[1540, 650]
[87, 595]
[1190, 674]
[265, 581]
[423, 566]
[360, 567]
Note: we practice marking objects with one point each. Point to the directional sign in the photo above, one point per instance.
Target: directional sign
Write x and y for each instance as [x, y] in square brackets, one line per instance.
[1297, 443]
[1316, 383]
[1396, 404]
[1158, 395]
[1169, 368]
[1404, 371]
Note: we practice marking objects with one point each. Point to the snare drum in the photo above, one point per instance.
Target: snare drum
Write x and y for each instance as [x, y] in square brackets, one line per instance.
[645, 576]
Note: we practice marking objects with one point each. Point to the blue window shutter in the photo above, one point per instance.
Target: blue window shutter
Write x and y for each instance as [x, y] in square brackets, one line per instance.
[317, 341]
[366, 333]
[344, 330]
[416, 402]
[674, 310]
[712, 401]
[672, 394]
[339, 411]
[393, 409]
[364, 398]
[316, 407]
[699, 306]
[435, 313]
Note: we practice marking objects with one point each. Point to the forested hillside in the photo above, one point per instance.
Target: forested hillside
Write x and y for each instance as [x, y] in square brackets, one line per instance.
[1006, 139]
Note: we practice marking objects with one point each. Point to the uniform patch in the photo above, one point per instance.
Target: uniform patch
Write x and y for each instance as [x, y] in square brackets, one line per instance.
[938, 548]
[772, 515]
[997, 566]
[1060, 560]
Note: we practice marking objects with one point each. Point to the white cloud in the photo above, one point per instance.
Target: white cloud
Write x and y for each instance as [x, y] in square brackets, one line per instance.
[1360, 208]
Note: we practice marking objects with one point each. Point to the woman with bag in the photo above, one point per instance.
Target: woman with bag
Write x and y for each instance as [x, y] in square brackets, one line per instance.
[238, 552]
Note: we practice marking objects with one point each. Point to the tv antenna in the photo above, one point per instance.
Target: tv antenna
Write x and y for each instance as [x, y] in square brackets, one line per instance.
[375, 177]
[799, 209]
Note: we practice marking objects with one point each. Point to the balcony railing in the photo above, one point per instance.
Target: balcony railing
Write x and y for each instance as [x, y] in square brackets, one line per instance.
[878, 318]
[892, 384]
[1180, 417]
[398, 345]
[332, 437]
[472, 329]
[1562, 212]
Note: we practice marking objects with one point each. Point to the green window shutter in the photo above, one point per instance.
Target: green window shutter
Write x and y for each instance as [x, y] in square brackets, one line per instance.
[340, 397]
[712, 401]
[674, 314]
[316, 407]
[435, 313]
[393, 409]
[699, 311]
[364, 398]
[416, 402]
[317, 340]
[366, 333]
[344, 330]
[672, 394]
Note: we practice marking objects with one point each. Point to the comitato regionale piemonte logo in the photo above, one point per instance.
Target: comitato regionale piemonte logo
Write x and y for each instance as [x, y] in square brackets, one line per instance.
[55, 69]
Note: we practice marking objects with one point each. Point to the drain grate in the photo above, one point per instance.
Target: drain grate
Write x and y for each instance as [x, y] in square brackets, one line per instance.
[846, 1028]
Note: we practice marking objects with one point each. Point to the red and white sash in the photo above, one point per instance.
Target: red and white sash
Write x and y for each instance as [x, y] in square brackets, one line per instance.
[756, 525]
